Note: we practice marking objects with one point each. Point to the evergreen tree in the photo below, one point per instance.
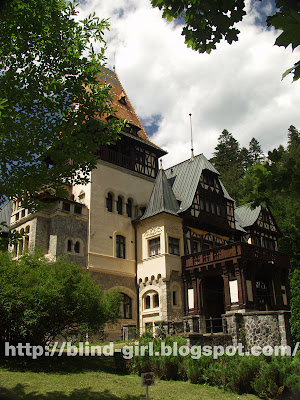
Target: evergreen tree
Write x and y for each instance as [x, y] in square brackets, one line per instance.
[227, 160]
[255, 151]
[276, 183]
[245, 159]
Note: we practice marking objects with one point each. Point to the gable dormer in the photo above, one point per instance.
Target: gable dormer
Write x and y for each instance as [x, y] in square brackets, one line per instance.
[260, 226]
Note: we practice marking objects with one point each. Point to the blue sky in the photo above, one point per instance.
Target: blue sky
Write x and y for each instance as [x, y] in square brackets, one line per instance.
[237, 87]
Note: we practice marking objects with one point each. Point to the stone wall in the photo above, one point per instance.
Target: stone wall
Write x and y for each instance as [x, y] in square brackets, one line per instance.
[175, 312]
[264, 328]
[124, 284]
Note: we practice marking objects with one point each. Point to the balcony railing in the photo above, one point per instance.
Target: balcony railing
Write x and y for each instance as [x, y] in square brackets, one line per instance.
[116, 158]
[135, 163]
[234, 251]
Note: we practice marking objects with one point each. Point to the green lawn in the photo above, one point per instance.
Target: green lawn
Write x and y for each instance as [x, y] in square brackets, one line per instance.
[94, 378]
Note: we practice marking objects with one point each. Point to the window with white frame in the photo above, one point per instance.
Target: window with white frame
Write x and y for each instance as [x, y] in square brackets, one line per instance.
[154, 246]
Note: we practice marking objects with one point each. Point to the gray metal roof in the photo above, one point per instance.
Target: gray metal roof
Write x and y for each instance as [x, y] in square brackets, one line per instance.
[5, 213]
[162, 198]
[184, 179]
[246, 216]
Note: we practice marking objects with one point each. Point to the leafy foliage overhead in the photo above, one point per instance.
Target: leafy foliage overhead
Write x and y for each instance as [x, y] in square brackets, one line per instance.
[207, 22]
[47, 65]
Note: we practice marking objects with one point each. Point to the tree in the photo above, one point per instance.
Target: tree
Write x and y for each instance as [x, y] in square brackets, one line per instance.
[227, 161]
[255, 151]
[207, 22]
[51, 99]
[276, 183]
[39, 300]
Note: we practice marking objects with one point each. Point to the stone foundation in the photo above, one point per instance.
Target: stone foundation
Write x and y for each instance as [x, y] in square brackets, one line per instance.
[260, 328]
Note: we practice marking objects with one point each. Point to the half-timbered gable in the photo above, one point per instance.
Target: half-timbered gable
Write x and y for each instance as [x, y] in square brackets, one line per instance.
[205, 205]
[261, 228]
[134, 150]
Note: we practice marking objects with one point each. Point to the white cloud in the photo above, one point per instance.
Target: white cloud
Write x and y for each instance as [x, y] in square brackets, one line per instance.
[236, 87]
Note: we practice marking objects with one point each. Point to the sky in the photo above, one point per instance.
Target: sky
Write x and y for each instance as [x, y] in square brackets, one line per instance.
[237, 87]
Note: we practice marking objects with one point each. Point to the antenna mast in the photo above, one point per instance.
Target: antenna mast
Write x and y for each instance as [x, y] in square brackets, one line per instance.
[114, 66]
[192, 148]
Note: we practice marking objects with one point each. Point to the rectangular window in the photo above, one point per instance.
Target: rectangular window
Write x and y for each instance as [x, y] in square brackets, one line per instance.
[174, 246]
[223, 211]
[154, 247]
[207, 208]
[66, 206]
[77, 209]
[257, 241]
[191, 304]
[195, 246]
[201, 204]
[120, 246]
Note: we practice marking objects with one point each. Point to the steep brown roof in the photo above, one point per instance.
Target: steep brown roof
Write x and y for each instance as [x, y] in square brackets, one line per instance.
[123, 111]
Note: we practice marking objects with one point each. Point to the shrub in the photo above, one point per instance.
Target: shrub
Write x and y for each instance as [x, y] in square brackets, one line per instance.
[276, 374]
[39, 300]
[164, 367]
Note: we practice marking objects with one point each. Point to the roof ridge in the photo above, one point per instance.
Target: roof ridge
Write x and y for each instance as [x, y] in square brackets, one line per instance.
[188, 159]
[243, 205]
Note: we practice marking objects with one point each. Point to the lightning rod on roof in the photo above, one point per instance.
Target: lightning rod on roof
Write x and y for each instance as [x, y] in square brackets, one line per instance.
[192, 149]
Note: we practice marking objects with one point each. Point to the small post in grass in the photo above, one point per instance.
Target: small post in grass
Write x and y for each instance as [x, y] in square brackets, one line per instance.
[147, 380]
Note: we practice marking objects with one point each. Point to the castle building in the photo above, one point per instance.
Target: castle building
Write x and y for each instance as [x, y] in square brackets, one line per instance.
[171, 241]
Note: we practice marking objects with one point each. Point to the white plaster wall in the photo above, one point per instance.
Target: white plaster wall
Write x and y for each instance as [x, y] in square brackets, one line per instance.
[105, 225]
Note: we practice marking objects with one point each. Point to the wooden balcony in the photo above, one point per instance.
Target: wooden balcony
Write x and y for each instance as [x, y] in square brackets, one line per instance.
[232, 253]
[131, 163]
[115, 158]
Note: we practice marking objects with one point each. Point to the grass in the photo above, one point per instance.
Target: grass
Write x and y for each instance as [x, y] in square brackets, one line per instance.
[94, 378]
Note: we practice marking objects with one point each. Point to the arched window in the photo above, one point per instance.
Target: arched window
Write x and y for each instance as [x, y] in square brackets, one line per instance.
[69, 246]
[77, 247]
[147, 302]
[151, 300]
[175, 291]
[21, 242]
[109, 202]
[120, 205]
[26, 244]
[155, 300]
[129, 208]
[16, 249]
[174, 297]
[126, 310]
[120, 246]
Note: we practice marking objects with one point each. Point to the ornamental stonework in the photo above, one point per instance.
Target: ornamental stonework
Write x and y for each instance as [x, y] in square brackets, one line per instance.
[154, 230]
[176, 230]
